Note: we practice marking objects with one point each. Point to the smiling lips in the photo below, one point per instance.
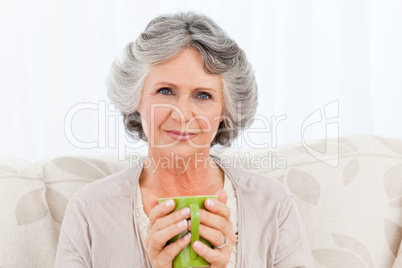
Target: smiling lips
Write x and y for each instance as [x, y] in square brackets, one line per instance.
[182, 136]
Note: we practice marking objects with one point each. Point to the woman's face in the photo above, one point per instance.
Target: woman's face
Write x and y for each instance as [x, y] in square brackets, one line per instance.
[181, 105]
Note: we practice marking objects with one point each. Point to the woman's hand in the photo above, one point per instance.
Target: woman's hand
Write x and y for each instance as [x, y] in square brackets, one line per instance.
[215, 226]
[162, 227]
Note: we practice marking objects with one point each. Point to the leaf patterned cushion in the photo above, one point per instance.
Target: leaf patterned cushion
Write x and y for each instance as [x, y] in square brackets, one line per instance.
[33, 199]
[398, 260]
[352, 211]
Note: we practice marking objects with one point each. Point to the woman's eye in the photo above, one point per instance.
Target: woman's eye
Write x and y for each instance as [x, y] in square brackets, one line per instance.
[164, 91]
[204, 96]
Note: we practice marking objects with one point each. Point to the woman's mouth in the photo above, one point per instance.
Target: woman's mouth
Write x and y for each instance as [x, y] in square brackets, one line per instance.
[182, 136]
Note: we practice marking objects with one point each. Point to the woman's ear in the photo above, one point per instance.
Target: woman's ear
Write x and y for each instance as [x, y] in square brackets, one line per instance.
[220, 118]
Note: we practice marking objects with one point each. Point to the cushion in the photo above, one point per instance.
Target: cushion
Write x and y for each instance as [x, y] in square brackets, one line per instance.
[33, 199]
[398, 260]
[348, 191]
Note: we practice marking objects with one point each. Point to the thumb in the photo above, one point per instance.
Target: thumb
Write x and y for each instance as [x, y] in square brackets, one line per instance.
[153, 201]
[222, 196]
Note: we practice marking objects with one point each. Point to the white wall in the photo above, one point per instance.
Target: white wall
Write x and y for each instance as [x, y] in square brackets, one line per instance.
[55, 56]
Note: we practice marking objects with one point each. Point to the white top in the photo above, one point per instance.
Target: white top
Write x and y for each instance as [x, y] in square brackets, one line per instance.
[143, 219]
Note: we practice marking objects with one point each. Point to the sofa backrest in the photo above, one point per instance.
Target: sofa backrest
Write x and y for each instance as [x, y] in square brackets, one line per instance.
[348, 191]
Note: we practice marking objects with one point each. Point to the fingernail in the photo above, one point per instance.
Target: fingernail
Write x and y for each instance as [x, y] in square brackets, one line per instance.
[182, 223]
[185, 211]
[197, 244]
[187, 236]
[210, 202]
[169, 203]
[189, 223]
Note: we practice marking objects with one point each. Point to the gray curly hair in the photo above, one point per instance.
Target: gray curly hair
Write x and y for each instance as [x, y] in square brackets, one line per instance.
[163, 38]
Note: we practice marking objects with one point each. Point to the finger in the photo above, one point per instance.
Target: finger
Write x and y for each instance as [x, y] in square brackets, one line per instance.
[173, 249]
[215, 221]
[171, 218]
[217, 207]
[218, 223]
[215, 257]
[159, 239]
[215, 237]
[160, 210]
[153, 201]
[222, 196]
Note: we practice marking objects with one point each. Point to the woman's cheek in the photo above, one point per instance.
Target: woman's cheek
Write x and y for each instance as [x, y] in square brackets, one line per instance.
[208, 124]
[151, 117]
[157, 114]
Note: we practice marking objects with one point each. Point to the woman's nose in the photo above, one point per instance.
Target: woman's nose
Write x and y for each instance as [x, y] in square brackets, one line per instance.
[182, 111]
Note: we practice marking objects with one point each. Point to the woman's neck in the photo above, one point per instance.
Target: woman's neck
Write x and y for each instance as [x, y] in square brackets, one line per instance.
[167, 176]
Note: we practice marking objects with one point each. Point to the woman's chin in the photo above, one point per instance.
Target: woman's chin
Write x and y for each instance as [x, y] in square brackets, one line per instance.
[182, 150]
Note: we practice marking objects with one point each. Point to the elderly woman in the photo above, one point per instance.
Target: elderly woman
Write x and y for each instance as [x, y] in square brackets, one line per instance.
[183, 87]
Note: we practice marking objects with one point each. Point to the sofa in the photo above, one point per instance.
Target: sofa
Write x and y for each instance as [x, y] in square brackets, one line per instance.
[348, 191]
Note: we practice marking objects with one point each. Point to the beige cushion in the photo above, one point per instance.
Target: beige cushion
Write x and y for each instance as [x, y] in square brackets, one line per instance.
[398, 260]
[33, 198]
[352, 212]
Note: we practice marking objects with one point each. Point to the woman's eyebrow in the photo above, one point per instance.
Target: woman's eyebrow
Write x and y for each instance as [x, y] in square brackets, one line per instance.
[175, 86]
[165, 84]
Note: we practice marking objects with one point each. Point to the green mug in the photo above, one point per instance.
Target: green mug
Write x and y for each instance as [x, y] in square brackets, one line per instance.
[188, 257]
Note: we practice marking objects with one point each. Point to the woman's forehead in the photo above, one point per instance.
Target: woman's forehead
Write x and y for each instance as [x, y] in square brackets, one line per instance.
[184, 69]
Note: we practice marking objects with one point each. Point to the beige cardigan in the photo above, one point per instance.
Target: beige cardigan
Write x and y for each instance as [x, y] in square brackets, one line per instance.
[99, 228]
